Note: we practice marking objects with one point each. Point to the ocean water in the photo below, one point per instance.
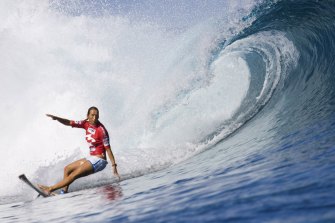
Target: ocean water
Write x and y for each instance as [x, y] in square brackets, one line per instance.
[218, 111]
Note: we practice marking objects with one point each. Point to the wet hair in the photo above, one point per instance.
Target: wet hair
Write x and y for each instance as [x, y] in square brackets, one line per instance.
[92, 108]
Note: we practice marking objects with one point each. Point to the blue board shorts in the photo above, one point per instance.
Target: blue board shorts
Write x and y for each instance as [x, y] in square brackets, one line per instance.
[98, 164]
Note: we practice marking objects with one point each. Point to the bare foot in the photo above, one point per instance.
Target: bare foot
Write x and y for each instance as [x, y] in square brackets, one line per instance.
[45, 189]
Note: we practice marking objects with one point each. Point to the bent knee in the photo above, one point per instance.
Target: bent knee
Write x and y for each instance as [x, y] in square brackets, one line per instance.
[67, 169]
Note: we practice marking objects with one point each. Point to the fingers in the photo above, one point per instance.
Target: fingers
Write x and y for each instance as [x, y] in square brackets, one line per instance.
[51, 116]
[117, 175]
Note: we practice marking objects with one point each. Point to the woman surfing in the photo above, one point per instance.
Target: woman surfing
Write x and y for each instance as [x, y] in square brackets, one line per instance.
[98, 139]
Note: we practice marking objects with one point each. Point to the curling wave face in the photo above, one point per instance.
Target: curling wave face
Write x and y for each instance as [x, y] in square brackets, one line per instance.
[164, 95]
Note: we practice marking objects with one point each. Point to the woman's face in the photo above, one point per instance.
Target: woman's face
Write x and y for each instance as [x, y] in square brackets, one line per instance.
[93, 116]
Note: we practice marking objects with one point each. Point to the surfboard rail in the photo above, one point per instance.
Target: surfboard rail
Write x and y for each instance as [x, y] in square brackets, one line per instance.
[27, 181]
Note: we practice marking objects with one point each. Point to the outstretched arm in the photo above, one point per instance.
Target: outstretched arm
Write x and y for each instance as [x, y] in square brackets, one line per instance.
[112, 159]
[61, 120]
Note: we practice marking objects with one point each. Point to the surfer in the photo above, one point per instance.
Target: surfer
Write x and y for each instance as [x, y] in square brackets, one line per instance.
[98, 140]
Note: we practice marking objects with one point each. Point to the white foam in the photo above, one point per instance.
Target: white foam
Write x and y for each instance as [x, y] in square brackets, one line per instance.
[154, 88]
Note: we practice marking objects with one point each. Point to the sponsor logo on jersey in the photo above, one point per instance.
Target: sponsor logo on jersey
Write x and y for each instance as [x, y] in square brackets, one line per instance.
[91, 130]
[89, 138]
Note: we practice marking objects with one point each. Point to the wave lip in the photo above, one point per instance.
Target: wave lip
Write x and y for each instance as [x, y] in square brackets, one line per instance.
[270, 56]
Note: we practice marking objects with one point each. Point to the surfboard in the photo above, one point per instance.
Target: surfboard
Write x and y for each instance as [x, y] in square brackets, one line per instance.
[25, 179]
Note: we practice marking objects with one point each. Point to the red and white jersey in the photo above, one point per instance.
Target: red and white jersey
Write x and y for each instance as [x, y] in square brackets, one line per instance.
[96, 136]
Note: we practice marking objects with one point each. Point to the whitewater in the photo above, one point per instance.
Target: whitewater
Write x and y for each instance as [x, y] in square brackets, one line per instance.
[218, 111]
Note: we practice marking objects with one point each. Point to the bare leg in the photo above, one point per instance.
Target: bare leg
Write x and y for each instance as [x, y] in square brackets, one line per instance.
[70, 168]
[80, 169]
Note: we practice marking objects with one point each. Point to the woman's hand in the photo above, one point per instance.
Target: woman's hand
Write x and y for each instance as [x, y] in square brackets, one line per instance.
[111, 157]
[52, 116]
[61, 120]
[115, 172]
